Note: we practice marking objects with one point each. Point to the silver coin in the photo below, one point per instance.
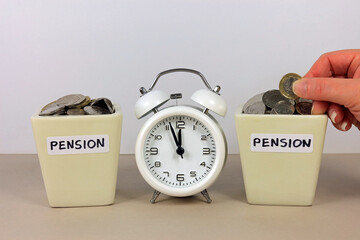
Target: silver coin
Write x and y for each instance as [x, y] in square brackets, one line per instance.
[103, 103]
[52, 109]
[272, 97]
[290, 101]
[284, 107]
[95, 110]
[71, 100]
[293, 102]
[256, 108]
[109, 105]
[254, 99]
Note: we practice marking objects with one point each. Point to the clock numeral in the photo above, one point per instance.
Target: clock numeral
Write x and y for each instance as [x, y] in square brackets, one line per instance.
[203, 164]
[180, 124]
[167, 127]
[157, 164]
[154, 151]
[167, 173]
[192, 173]
[180, 177]
[158, 137]
[203, 137]
[206, 151]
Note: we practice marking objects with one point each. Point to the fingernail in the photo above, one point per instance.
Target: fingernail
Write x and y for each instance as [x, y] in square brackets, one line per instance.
[333, 116]
[344, 126]
[312, 108]
[299, 87]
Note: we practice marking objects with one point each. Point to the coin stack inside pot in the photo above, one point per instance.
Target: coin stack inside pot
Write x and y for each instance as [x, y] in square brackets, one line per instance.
[78, 104]
[282, 101]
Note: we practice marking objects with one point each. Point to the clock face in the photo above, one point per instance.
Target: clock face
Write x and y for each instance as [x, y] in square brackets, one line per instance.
[179, 151]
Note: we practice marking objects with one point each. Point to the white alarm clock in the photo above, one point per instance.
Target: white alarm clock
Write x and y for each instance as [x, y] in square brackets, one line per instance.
[180, 150]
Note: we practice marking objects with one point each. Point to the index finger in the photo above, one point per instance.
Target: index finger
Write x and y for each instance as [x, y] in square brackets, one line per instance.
[334, 64]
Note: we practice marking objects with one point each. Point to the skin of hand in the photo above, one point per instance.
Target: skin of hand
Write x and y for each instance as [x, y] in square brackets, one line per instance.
[333, 82]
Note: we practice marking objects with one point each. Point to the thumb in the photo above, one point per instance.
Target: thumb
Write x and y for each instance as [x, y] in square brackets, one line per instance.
[337, 90]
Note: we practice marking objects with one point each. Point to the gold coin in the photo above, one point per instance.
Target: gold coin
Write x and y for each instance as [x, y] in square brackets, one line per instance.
[286, 84]
[75, 111]
[84, 103]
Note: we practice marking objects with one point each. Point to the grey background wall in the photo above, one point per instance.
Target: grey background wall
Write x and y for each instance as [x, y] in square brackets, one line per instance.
[110, 48]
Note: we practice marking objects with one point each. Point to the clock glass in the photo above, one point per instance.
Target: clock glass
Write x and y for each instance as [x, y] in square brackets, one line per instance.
[179, 151]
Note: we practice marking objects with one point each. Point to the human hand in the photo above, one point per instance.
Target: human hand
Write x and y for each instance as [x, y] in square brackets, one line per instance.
[333, 82]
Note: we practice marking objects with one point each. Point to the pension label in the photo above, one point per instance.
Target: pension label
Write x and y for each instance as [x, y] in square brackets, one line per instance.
[77, 144]
[300, 143]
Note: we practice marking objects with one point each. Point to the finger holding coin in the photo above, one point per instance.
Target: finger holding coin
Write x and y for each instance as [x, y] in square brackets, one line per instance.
[286, 85]
[319, 107]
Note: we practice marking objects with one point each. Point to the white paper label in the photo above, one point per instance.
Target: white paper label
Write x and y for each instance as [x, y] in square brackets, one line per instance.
[77, 144]
[301, 143]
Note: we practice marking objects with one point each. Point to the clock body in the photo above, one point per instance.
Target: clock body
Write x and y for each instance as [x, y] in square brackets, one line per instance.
[197, 167]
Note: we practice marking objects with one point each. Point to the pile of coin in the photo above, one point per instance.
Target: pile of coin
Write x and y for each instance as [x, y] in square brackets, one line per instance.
[78, 104]
[282, 101]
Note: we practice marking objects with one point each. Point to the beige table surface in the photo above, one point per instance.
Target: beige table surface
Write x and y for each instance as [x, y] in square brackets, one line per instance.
[25, 214]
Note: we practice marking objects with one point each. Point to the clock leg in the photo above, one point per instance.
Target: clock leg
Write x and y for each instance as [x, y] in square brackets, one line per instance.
[155, 196]
[206, 196]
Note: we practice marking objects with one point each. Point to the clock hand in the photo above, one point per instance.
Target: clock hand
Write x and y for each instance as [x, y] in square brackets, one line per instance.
[173, 134]
[179, 138]
[180, 150]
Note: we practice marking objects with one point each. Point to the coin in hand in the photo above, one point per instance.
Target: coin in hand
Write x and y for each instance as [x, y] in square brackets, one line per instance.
[286, 84]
